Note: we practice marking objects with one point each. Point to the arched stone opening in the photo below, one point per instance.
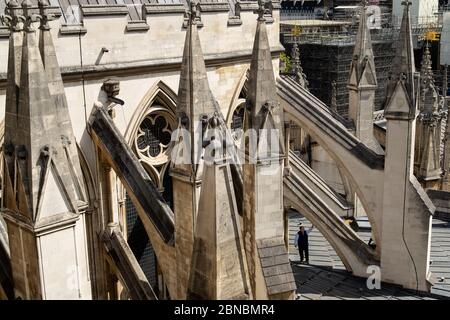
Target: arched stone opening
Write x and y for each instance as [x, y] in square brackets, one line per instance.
[365, 180]
[149, 136]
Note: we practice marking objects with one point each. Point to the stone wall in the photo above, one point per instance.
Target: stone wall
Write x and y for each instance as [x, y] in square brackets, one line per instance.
[142, 59]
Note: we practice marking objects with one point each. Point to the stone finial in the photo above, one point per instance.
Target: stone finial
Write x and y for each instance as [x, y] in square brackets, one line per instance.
[297, 69]
[295, 57]
[44, 17]
[237, 8]
[13, 17]
[261, 10]
[30, 17]
[406, 3]
[195, 99]
[426, 72]
[193, 13]
[430, 100]
[262, 86]
[12, 5]
[404, 59]
[334, 95]
[43, 3]
[363, 57]
[403, 75]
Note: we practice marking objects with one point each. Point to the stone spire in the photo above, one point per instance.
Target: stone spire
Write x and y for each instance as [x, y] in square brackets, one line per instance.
[219, 266]
[426, 71]
[262, 96]
[297, 69]
[428, 132]
[402, 194]
[263, 217]
[195, 100]
[362, 85]
[37, 139]
[429, 96]
[43, 204]
[35, 119]
[14, 20]
[402, 81]
[362, 69]
[58, 95]
[195, 109]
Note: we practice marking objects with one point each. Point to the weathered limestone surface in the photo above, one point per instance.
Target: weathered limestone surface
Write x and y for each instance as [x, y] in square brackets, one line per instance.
[155, 214]
[47, 207]
[362, 86]
[427, 153]
[44, 207]
[195, 106]
[56, 89]
[140, 64]
[263, 177]
[407, 210]
[128, 269]
[219, 266]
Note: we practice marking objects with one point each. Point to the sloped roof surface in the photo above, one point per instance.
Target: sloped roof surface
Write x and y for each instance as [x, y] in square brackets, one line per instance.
[326, 278]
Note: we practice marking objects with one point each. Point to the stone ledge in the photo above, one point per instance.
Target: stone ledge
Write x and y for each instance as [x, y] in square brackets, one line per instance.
[137, 26]
[186, 20]
[158, 8]
[248, 6]
[17, 219]
[214, 7]
[269, 18]
[234, 21]
[4, 32]
[276, 4]
[55, 11]
[71, 30]
[104, 10]
[55, 223]
[70, 73]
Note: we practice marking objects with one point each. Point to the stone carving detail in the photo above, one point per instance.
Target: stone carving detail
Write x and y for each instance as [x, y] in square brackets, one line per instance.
[153, 138]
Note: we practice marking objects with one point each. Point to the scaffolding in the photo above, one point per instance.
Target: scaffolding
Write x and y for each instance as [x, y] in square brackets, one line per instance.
[326, 49]
[327, 57]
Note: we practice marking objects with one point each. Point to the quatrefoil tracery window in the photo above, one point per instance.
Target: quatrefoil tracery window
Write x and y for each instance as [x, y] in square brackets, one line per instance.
[153, 137]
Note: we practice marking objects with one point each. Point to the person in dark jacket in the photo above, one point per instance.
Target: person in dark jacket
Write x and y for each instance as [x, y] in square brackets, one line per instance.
[301, 242]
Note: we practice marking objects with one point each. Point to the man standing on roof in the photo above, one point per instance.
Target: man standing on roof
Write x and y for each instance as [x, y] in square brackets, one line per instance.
[301, 241]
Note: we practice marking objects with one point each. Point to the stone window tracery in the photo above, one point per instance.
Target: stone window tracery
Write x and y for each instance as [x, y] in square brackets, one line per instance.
[153, 136]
